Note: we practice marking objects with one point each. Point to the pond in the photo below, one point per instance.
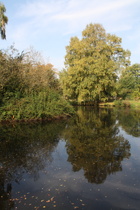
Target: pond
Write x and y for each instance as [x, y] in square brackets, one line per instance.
[90, 161]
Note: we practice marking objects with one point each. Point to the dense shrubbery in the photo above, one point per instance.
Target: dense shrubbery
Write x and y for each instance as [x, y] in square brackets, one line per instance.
[29, 89]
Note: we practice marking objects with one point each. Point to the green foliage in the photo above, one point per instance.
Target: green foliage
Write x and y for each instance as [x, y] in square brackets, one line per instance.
[129, 83]
[92, 65]
[29, 89]
[3, 21]
[19, 73]
[36, 106]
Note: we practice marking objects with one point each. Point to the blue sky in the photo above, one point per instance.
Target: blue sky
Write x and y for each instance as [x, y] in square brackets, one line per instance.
[48, 25]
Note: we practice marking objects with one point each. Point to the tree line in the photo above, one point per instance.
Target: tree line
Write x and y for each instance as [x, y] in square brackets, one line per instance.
[97, 69]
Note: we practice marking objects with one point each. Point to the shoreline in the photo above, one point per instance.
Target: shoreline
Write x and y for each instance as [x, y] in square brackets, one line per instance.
[49, 119]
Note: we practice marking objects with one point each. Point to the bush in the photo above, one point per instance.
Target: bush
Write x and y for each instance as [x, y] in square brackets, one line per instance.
[36, 106]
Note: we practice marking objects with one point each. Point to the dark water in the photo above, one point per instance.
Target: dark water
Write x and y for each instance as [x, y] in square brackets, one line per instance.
[89, 162]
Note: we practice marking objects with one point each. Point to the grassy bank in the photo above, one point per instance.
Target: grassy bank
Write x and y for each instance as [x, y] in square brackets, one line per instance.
[122, 103]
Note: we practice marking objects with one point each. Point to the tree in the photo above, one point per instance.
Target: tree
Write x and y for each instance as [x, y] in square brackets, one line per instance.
[92, 65]
[3, 21]
[39, 75]
[129, 82]
[20, 72]
[11, 71]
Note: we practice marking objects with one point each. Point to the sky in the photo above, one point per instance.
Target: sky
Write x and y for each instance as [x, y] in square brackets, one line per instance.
[48, 25]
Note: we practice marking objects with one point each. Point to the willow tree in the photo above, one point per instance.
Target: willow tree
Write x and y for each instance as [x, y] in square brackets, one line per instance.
[3, 21]
[92, 65]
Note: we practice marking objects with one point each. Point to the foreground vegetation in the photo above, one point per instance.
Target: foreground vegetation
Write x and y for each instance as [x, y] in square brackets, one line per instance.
[29, 89]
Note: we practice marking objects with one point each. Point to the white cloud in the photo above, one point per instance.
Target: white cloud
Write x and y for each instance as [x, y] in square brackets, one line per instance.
[46, 21]
[71, 16]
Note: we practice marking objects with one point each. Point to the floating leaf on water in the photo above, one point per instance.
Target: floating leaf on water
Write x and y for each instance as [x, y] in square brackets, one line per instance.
[52, 198]
[48, 201]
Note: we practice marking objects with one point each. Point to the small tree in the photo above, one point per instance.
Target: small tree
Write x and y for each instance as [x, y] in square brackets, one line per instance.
[21, 74]
[129, 82]
[3, 21]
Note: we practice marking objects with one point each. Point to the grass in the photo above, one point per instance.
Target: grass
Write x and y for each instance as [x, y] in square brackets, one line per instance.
[122, 103]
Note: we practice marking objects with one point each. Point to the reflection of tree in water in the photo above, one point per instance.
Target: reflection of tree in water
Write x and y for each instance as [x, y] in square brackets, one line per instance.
[6, 202]
[93, 144]
[129, 120]
[24, 149]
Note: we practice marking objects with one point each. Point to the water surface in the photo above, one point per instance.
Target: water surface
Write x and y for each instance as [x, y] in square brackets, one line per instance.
[90, 162]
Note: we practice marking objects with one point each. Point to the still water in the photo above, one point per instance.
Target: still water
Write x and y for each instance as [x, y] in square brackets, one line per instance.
[89, 162]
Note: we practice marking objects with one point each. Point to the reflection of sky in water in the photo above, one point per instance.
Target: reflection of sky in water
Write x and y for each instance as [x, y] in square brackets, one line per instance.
[126, 184]
[59, 187]
[135, 145]
[48, 179]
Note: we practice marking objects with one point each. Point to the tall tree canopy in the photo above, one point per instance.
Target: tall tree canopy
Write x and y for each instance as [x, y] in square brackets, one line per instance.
[92, 65]
[3, 21]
